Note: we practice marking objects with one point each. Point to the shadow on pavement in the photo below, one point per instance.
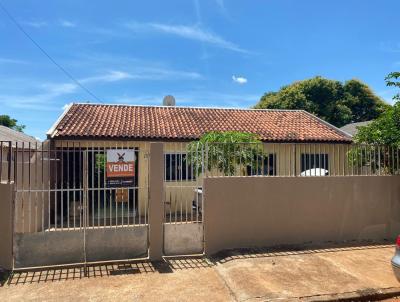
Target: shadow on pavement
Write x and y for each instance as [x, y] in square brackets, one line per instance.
[286, 250]
[168, 265]
[173, 264]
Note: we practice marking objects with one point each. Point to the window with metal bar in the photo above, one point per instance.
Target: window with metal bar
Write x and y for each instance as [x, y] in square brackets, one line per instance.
[314, 161]
[177, 167]
[264, 165]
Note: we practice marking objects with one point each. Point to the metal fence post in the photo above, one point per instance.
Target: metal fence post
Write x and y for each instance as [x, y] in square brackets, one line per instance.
[156, 203]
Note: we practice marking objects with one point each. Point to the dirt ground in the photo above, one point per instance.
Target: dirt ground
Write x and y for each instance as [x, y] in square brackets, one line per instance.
[244, 275]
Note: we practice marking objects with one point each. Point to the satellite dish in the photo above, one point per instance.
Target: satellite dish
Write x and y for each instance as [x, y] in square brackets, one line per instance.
[169, 100]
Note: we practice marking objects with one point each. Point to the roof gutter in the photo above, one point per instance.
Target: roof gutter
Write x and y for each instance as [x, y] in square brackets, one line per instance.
[52, 131]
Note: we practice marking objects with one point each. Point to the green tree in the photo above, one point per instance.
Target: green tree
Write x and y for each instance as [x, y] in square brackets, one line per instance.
[336, 102]
[225, 151]
[9, 122]
[380, 139]
[385, 130]
[393, 79]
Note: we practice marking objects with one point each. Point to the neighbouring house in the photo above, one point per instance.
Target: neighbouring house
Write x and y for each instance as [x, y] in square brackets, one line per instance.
[352, 128]
[294, 140]
[25, 165]
[8, 134]
[10, 140]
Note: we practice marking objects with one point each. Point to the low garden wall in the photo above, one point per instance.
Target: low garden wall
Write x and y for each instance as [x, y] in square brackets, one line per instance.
[244, 212]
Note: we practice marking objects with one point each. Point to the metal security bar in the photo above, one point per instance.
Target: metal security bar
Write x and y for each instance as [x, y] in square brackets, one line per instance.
[186, 165]
[64, 187]
[300, 160]
[68, 188]
[183, 187]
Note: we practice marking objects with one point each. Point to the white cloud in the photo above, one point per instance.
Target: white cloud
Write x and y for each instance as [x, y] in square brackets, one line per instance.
[158, 73]
[143, 73]
[194, 32]
[11, 61]
[66, 23]
[39, 24]
[111, 76]
[66, 106]
[36, 24]
[43, 97]
[39, 101]
[62, 88]
[239, 80]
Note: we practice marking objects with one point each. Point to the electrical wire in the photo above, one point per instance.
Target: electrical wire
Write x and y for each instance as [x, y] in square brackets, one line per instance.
[70, 76]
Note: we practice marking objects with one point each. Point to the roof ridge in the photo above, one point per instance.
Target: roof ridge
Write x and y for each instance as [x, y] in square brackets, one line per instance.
[188, 107]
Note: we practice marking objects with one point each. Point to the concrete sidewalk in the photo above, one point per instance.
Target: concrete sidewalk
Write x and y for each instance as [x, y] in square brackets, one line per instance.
[246, 275]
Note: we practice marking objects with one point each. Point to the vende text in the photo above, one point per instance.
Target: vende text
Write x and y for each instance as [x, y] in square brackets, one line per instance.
[120, 169]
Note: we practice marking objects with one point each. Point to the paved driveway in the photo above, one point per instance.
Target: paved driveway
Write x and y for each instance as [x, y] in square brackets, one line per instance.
[234, 276]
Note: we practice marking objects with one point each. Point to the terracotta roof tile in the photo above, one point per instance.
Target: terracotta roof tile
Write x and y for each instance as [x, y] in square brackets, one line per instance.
[174, 123]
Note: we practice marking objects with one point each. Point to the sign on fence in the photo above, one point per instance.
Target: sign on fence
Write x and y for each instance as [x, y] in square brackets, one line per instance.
[120, 167]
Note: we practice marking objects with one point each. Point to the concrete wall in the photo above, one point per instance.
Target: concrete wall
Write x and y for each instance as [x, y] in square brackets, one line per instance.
[183, 238]
[67, 247]
[262, 211]
[6, 222]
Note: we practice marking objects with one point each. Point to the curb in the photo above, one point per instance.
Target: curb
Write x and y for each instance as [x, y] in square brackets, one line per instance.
[362, 295]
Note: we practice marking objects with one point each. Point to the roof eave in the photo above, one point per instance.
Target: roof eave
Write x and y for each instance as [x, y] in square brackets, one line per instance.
[189, 139]
[53, 129]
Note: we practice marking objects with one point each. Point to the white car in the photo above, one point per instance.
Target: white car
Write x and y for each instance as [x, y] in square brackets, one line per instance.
[315, 172]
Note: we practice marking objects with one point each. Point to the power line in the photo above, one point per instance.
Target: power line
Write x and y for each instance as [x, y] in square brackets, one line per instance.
[47, 55]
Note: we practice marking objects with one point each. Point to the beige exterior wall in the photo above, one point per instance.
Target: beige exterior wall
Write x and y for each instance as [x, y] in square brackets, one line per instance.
[179, 195]
[289, 157]
[269, 211]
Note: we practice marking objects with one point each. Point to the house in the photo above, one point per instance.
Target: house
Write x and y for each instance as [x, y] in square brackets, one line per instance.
[11, 139]
[294, 141]
[352, 128]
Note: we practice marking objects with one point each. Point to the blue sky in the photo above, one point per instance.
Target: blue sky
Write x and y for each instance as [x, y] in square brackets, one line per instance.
[206, 53]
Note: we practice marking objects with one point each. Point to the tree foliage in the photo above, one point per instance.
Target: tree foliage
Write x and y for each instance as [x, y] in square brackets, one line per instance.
[393, 79]
[380, 139]
[385, 130]
[224, 151]
[9, 122]
[335, 102]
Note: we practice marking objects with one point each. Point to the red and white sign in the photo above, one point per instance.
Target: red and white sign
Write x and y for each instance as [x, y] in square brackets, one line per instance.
[120, 163]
